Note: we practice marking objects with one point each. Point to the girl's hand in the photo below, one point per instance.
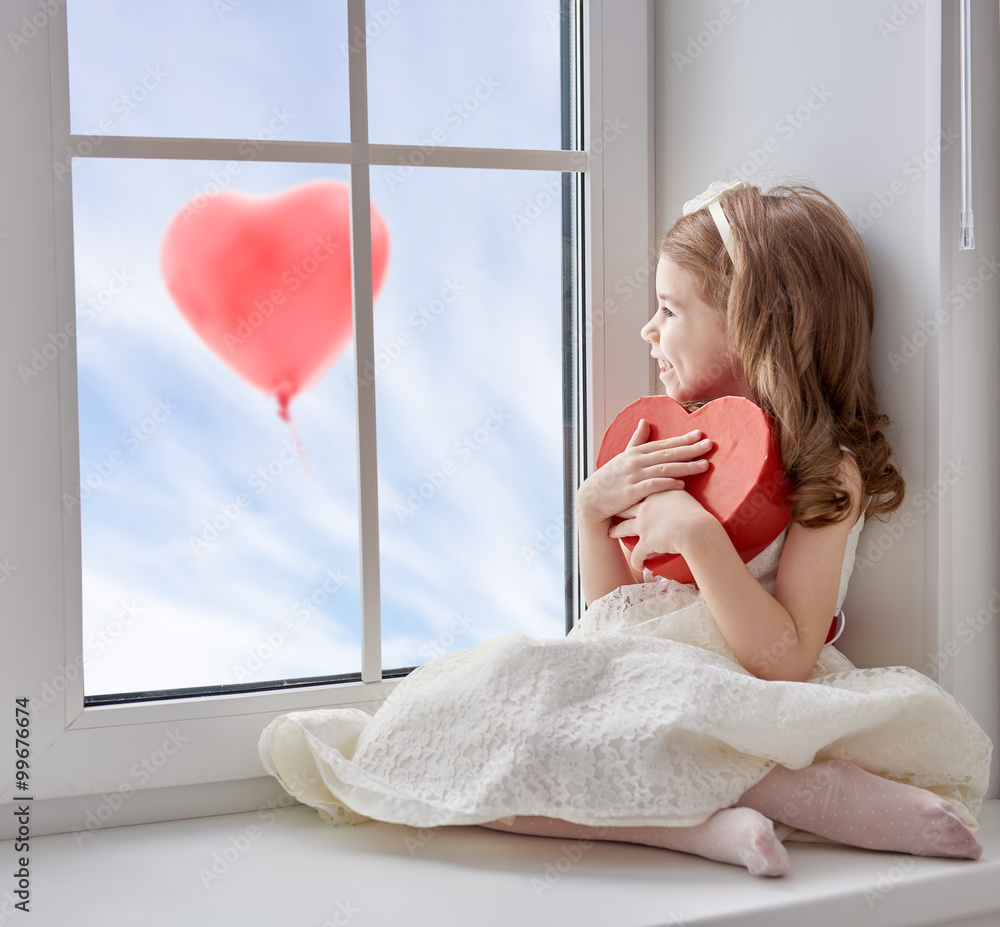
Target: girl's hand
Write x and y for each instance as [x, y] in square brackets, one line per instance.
[641, 470]
[662, 522]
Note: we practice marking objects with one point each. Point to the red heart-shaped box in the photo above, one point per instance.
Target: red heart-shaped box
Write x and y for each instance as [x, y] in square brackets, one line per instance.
[744, 486]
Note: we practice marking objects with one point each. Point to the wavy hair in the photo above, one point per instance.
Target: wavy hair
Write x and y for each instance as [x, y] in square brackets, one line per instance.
[799, 309]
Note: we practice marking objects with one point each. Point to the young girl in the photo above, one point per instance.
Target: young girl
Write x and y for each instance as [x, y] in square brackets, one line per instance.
[692, 717]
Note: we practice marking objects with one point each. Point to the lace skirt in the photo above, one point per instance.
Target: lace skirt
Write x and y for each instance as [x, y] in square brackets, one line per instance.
[642, 715]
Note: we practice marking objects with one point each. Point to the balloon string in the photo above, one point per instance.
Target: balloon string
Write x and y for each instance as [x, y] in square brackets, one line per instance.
[301, 450]
[283, 413]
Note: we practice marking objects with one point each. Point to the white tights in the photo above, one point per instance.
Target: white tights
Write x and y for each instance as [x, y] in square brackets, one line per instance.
[833, 798]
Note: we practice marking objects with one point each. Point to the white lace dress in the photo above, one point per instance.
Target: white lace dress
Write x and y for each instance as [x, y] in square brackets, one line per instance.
[642, 715]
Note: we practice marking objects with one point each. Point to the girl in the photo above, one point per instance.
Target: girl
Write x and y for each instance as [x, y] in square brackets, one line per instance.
[692, 717]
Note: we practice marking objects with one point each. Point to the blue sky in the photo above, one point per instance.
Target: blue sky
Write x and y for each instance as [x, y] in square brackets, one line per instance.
[170, 437]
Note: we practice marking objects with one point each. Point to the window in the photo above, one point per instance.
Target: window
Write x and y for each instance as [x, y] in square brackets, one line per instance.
[86, 749]
[222, 483]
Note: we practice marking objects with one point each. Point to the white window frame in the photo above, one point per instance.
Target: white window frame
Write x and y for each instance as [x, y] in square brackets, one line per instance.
[80, 754]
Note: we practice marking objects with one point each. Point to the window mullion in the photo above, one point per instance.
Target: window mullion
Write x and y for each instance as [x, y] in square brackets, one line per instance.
[297, 152]
[364, 351]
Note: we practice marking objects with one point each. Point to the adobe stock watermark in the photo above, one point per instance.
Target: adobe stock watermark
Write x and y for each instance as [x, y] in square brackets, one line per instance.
[121, 108]
[886, 881]
[554, 18]
[625, 287]
[912, 170]
[228, 513]
[140, 772]
[302, 612]
[902, 866]
[899, 16]
[809, 789]
[8, 906]
[879, 545]
[681, 918]
[611, 131]
[7, 570]
[534, 206]
[87, 310]
[635, 282]
[696, 43]
[224, 8]
[345, 913]
[38, 21]
[414, 843]
[786, 126]
[462, 451]
[387, 352]
[966, 631]
[376, 23]
[293, 278]
[550, 192]
[456, 629]
[958, 297]
[218, 523]
[248, 150]
[223, 860]
[545, 539]
[453, 118]
[571, 854]
[99, 641]
[106, 636]
[132, 439]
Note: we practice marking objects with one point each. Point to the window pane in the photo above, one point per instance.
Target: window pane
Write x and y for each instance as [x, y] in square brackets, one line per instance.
[210, 554]
[219, 542]
[209, 69]
[464, 74]
[468, 376]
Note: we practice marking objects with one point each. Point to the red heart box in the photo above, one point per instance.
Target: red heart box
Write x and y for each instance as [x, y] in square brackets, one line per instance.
[744, 486]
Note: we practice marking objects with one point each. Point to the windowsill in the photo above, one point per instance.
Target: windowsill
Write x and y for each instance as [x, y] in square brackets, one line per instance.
[293, 869]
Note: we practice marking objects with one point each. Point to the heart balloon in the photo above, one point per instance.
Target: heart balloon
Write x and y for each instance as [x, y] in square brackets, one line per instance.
[265, 281]
[744, 487]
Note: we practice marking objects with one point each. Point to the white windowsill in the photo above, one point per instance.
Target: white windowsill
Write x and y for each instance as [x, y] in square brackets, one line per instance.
[292, 869]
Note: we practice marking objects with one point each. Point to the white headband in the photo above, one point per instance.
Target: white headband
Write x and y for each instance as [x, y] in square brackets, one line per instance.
[710, 198]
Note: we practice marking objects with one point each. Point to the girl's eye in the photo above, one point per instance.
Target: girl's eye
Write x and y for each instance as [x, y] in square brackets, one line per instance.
[666, 311]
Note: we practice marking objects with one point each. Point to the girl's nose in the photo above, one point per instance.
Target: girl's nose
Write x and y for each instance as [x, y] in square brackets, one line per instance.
[648, 332]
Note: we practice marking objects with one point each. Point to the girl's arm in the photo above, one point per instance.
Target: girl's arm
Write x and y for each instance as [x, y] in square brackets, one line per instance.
[603, 566]
[779, 636]
[640, 470]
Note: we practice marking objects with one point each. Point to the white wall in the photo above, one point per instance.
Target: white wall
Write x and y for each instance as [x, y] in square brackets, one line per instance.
[852, 96]
[971, 393]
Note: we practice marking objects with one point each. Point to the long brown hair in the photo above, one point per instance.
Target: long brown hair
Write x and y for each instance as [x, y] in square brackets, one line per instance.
[799, 309]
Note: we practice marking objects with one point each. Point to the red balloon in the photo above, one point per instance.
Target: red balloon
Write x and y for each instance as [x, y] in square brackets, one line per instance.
[744, 486]
[265, 281]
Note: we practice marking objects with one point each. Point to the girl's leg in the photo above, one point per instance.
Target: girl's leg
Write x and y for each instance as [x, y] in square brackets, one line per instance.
[839, 800]
[739, 836]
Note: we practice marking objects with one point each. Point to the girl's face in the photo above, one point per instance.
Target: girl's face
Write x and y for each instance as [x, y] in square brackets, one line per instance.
[689, 342]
